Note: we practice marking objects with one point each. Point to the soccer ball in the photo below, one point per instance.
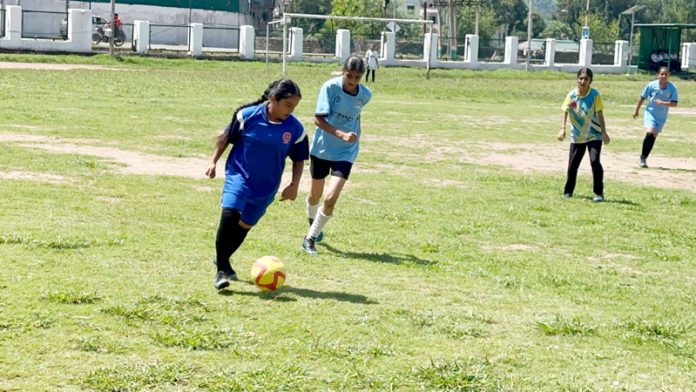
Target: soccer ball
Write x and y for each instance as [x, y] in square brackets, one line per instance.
[268, 272]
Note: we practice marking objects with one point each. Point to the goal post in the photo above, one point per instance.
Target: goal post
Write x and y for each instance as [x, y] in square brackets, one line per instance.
[285, 20]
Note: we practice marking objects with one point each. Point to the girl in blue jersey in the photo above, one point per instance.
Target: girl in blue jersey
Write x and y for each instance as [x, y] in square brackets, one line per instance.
[583, 105]
[263, 134]
[661, 95]
[335, 144]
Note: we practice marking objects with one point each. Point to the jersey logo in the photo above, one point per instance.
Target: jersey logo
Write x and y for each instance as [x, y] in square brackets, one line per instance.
[286, 137]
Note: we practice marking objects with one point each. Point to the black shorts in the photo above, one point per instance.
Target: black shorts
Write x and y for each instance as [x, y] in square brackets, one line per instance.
[319, 168]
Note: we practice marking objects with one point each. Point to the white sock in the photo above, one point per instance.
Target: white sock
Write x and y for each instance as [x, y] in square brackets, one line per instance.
[311, 210]
[319, 222]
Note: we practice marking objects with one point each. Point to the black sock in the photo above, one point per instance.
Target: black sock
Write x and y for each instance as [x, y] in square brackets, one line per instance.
[648, 144]
[229, 237]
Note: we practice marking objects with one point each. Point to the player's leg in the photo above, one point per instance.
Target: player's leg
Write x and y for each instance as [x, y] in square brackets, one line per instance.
[231, 233]
[340, 171]
[577, 152]
[652, 128]
[318, 169]
[595, 149]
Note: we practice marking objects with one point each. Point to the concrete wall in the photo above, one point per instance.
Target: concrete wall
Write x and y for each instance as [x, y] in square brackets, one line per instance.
[220, 27]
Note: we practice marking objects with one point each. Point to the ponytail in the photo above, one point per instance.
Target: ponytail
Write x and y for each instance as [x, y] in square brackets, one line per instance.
[279, 89]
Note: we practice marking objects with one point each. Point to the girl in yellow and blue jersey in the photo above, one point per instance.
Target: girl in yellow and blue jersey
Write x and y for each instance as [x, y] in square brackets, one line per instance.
[583, 105]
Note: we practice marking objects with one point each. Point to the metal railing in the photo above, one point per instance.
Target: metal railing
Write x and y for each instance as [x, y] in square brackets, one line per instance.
[221, 37]
[44, 24]
[170, 35]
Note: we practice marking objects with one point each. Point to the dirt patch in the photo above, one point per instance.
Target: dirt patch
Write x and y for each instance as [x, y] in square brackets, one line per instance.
[664, 172]
[128, 162]
[33, 176]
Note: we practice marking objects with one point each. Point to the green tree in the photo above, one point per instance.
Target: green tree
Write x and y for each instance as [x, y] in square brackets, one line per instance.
[559, 30]
[313, 7]
[510, 13]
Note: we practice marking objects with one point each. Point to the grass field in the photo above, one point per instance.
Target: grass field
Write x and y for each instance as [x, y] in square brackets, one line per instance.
[442, 270]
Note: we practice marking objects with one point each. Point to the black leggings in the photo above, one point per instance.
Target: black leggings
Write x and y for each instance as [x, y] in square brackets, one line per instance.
[577, 152]
[367, 75]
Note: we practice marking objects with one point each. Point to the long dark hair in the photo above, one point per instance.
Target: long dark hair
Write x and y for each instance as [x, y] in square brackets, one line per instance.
[279, 89]
[354, 63]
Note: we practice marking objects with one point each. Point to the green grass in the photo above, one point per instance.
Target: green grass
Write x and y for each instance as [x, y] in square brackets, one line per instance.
[436, 274]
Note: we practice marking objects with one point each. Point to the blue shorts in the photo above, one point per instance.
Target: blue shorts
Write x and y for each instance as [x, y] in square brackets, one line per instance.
[649, 121]
[238, 197]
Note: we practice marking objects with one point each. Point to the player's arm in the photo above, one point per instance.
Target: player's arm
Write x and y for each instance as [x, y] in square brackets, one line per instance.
[603, 125]
[638, 105]
[562, 132]
[298, 153]
[221, 142]
[320, 121]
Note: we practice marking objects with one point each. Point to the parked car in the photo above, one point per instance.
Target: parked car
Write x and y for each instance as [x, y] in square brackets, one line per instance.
[97, 22]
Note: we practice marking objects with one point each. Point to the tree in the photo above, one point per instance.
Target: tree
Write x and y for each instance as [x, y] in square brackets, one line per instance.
[313, 7]
[511, 13]
[559, 30]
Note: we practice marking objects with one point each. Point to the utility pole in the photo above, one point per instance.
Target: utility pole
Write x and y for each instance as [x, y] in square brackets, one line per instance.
[453, 30]
[111, 40]
[529, 36]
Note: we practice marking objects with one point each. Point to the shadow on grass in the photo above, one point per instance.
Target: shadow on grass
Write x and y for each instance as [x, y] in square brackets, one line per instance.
[281, 294]
[674, 169]
[380, 257]
[610, 201]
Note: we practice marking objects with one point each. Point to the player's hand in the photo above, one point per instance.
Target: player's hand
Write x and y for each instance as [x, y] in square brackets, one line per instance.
[210, 172]
[349, 137]
[289, 192]
[605, 137]
[635, 115]
[561, 135]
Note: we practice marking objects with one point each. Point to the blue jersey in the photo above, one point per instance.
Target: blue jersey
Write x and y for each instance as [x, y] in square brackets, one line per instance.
[255, 165]
[653, 91]
[342, 110]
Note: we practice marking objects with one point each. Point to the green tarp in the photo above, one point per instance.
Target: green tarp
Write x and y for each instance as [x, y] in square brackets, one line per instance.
[212, 5]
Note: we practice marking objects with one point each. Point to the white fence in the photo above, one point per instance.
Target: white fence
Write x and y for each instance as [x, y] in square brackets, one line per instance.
[79, 35]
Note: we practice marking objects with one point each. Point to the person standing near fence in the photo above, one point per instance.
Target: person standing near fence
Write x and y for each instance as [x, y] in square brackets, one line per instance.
[335, 144]
[661, 95]
[583, 105]
[371, 58]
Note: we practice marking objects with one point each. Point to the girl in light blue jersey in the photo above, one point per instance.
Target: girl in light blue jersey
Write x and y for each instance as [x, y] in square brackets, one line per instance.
[335, 144]
[583, 105]
[263, 134]
[661, 95]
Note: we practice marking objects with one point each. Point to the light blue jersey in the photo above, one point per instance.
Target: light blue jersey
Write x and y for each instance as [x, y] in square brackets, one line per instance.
[342, 110]
[656, 116]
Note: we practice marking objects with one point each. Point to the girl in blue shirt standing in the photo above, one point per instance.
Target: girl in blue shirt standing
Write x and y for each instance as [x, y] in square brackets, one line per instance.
[584, 107]
[661, 95]
[335, 144]
[263, 134]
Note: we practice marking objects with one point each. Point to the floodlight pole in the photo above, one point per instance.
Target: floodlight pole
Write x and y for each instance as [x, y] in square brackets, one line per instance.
[632, 11]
